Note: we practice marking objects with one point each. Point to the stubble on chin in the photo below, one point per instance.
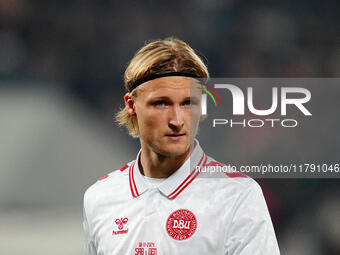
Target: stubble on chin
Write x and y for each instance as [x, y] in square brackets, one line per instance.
[167, 153]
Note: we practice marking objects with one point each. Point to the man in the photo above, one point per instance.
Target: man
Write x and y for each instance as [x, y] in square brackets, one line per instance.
[161, 203]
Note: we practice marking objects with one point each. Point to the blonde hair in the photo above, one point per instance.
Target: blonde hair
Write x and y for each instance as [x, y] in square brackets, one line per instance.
[158, 57]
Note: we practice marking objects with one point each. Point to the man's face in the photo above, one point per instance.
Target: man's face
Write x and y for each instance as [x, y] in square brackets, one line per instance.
[168, 112]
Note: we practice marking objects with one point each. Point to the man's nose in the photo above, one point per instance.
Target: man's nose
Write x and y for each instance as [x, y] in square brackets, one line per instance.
[176, 117]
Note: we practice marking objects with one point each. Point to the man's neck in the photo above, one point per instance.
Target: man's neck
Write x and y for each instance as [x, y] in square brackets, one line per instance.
[155, 165]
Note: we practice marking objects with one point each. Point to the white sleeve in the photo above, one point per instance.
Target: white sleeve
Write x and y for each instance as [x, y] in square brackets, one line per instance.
[89, 248]
[251, 230]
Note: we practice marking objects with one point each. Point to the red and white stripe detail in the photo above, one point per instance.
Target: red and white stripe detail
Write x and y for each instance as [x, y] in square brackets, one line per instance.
[123, 168]
[179, 189]
[190, 177]
[231, 175]
[132, 183]
[104, 177]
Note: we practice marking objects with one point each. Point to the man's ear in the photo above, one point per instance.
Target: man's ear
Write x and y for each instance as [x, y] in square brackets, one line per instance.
[129, 104]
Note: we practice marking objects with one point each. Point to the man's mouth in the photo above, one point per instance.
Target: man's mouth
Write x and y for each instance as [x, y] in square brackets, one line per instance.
[174, 137]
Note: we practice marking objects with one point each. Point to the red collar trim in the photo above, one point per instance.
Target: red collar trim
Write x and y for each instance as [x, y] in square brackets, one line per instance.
[190, 177]
[132, 183]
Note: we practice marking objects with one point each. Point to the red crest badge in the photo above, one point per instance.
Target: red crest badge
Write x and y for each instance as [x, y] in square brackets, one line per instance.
[181, 224]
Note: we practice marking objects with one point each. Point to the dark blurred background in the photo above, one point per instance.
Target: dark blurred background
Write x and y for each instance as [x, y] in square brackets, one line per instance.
[61, 82]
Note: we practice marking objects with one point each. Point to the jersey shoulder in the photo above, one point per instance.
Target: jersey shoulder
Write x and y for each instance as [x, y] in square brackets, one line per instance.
[111, 180]
[216, 170]
[122, 170]
[222, 181]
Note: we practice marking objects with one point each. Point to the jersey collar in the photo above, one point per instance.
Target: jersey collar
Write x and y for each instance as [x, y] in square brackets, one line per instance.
[174, 184]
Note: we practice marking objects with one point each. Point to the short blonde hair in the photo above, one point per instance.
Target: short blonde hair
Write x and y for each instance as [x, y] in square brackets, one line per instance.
[158, 57]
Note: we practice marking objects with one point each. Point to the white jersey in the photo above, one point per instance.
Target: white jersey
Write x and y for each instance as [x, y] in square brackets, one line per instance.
[187, 213]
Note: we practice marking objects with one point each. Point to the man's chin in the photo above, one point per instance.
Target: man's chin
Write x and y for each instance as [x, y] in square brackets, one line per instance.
[172, 153]
[173, 150]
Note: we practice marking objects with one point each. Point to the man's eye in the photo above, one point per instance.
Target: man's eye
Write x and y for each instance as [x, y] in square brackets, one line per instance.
[188, 102]
[159, 103]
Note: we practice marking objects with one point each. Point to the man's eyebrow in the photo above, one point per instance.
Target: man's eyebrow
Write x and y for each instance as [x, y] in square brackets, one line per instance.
[159, 98]
[155, 98]
[188, 98]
